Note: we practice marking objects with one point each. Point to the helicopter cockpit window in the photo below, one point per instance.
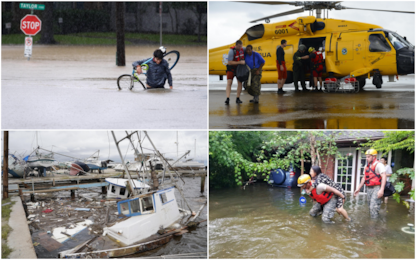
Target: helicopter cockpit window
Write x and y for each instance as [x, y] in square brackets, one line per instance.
[397, 41]
[255, 32]
[378, 43]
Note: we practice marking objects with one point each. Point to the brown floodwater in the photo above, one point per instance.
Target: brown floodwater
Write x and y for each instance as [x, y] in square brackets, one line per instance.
[266, 222]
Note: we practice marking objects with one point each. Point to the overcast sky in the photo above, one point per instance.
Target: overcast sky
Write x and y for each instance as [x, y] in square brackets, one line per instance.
[84, 143]
[228, 21]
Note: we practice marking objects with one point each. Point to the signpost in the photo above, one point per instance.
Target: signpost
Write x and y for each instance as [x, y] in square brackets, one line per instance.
[30, 25]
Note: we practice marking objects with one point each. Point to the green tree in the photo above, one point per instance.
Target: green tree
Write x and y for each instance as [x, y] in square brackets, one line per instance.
[395, 140]
[236, 157]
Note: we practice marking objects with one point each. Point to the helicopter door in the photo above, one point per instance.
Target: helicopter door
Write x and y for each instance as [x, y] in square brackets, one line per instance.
[345, 50]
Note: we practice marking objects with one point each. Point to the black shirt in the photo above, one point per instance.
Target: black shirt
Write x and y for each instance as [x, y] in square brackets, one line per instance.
[280, 54]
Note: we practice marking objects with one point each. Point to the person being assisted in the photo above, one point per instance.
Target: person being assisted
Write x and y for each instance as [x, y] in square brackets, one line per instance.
[157, 72]
[326, 199]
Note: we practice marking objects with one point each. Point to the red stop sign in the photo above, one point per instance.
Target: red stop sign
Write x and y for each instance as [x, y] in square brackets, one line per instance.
[30, 24]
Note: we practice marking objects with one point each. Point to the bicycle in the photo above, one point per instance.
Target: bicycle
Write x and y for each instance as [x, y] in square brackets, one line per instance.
[126, 81]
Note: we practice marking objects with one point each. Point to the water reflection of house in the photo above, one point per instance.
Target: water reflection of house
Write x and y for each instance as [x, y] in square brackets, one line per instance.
[349, 171]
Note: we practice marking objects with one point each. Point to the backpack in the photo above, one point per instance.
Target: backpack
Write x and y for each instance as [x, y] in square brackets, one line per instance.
[389, 189]
[242, 73]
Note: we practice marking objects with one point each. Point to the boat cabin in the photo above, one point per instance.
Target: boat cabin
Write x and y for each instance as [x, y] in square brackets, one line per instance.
[117, 188]
[147, 213]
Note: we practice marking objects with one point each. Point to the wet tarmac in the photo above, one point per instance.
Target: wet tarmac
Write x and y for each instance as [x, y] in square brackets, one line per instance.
[391, 107]
[47, 226]
[75, 87]
[263, 222]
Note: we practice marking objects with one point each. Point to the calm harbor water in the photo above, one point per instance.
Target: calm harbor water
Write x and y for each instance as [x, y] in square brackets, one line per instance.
[194, 241]
[266, 222]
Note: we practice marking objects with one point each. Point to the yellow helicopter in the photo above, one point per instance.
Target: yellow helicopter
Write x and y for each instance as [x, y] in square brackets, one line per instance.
[354, 49]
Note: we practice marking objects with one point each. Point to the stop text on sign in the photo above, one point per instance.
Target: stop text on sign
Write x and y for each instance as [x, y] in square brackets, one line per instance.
[30, 24]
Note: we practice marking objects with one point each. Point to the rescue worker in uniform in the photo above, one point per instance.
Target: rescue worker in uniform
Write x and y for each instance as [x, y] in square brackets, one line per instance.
[317, 66]
[375, 180]
[235, 58]
[255, 62]
[298, 68]
[281, 66]
[325, 197]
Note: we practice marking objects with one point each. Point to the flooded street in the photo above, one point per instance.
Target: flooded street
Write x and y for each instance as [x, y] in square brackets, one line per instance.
[75, 87]
[391, 107]
[64, 215]
[265, 222]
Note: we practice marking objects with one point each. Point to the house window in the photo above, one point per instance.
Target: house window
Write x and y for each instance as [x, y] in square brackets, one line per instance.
[345, 169]
[163, 198]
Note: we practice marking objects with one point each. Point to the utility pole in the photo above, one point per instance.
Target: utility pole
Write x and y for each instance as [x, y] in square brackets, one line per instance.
[160, 15]
[5, 165]
[121, 54]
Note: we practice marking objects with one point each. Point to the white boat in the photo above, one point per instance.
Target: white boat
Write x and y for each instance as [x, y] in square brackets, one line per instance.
[117, 187]
[40, 161]
[148, 213]
[94, 162]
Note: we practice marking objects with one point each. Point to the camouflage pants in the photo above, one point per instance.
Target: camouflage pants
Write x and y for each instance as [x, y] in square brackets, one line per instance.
[255, 87]
[327, 210]
[373, 202]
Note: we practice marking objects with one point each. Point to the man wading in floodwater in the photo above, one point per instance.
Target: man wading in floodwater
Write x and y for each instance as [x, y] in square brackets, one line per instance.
[326, 199]
[375, 180]
[158, 71]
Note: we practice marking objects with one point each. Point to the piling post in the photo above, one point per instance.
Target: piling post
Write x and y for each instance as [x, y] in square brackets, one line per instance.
[72, 194]
[5, 165]
[203, 183]
[104, 189]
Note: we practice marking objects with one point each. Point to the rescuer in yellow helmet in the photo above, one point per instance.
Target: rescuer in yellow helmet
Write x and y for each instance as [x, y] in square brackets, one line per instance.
[375, 180]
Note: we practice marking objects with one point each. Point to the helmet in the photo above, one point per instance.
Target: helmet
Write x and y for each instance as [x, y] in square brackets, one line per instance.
[303, 179]
[371, 152]
[163, 49]
[302, 47]
[311, 49]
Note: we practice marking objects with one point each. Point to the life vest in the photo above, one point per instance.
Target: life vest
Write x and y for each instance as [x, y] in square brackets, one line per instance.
[317, 61]
[322, 198]
[238, 55]
[371, 177]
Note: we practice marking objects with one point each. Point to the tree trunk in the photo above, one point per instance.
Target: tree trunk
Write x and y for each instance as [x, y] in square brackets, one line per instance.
[312, 143]
[199, 26]
[47, 25]
[5, 165]
[121, 55]
[171, 18]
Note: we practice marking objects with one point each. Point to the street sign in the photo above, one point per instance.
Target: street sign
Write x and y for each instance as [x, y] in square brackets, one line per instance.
[30, 24]
[28, 47]
[32, 6]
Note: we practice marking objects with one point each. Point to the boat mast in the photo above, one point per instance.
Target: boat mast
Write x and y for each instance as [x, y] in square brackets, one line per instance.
[133, 192]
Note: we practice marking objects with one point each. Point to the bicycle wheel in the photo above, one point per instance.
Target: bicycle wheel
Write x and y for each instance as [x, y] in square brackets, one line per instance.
[172, 58]
[124, 82]
[141, 83]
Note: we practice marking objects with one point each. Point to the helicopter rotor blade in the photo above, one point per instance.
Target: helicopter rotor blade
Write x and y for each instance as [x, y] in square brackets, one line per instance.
[295, 11]
[404, 12]
[271, 3]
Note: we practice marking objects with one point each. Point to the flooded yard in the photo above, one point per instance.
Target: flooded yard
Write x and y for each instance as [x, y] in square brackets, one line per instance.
[266, 222]
[48, 228]
[75, 87]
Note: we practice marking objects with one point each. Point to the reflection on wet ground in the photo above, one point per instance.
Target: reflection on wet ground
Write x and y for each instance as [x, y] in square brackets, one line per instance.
[75, 87]
[265, 222]
[388, 108]
[43, 224]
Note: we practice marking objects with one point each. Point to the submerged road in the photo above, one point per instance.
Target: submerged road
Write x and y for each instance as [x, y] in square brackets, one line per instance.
[75, 87]
[391, 107]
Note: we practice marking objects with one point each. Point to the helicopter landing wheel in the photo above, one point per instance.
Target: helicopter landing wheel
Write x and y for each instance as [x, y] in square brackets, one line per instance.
[361, 82]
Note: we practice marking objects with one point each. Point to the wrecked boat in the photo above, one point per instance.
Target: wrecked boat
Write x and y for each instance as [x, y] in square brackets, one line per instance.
[117, 188]
[147, 220]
